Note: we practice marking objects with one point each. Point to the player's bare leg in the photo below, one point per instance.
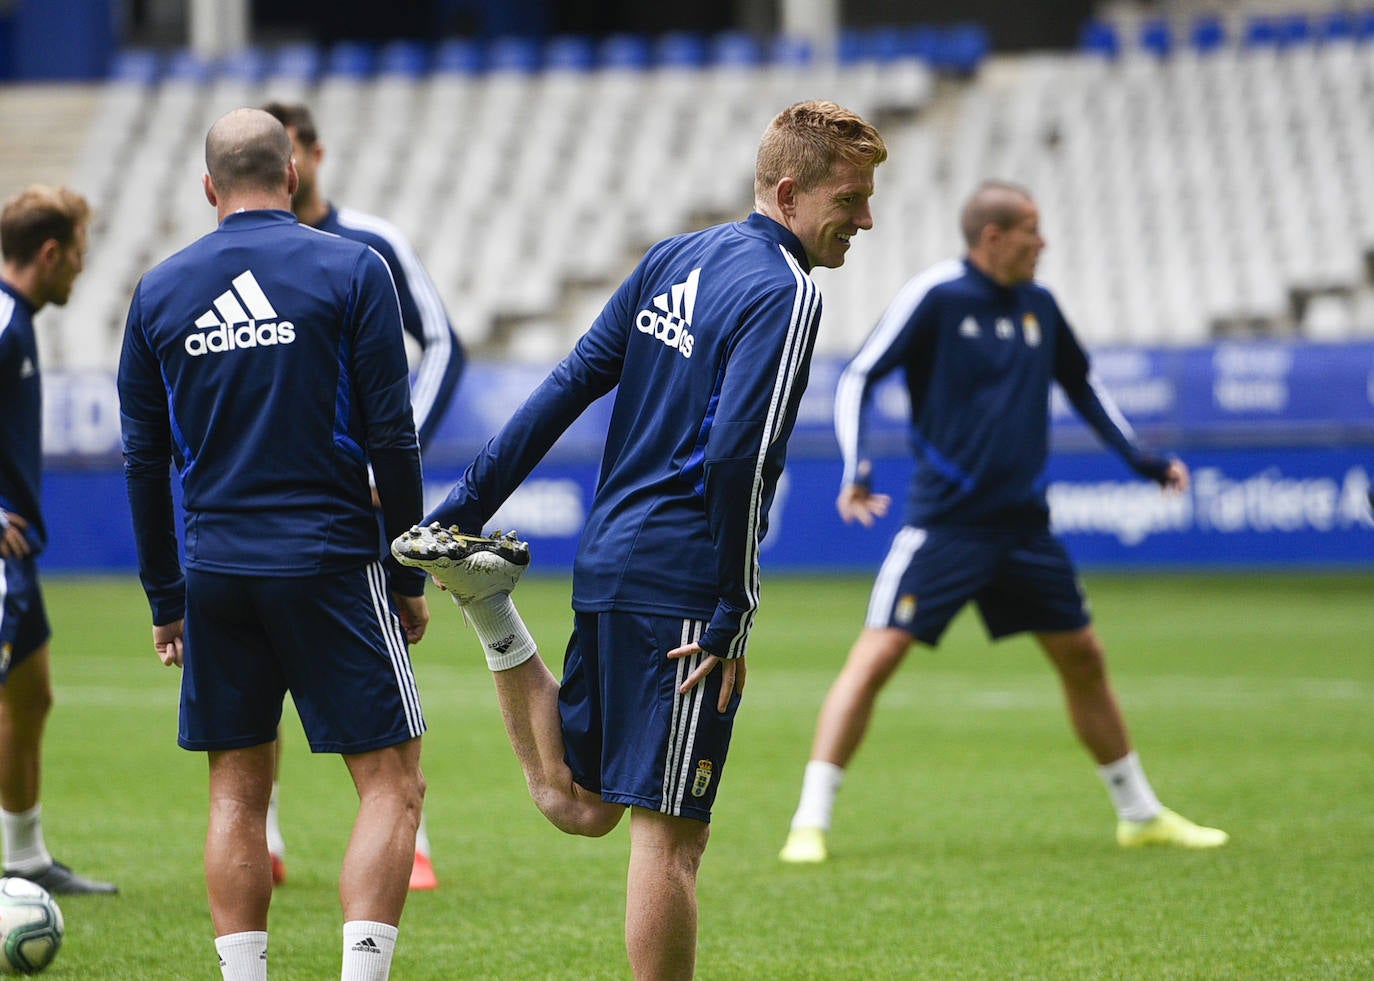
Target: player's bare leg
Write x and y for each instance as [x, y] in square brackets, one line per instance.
[480, 571]
[375, 878]
[528, 696]
[848, 707]
[1078, 657]
[840, 728]
[25, 701]
[238, 872]
[661, 894]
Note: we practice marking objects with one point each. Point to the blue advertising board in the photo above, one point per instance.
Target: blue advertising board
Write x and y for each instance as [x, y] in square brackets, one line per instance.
[1280, 439]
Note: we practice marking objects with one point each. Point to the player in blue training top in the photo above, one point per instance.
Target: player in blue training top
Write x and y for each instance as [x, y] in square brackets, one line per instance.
[43, 241]
[266, 361]
[708, 346]
[980, 343]
[436, 379]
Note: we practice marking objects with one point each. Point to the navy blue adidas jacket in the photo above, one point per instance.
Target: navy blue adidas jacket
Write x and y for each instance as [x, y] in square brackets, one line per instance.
[267, 361]
[709, 341]
[979, 360]
[21, 416]
[442, 358]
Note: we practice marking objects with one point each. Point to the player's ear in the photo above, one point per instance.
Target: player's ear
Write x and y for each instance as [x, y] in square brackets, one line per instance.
[785, 196]
[293, 178]
[210, 194]
[49, 252]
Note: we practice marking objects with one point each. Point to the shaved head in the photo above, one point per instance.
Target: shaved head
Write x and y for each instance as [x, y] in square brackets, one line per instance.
[999, 203]
[247, 150]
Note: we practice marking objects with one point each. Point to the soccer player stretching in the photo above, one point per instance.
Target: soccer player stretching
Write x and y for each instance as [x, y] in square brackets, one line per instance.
[980, 344]
[709, 341]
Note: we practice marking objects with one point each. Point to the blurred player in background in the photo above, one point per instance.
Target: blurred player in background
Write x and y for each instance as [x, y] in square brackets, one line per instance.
[980, 344]
[43, 240]
[708, 346]
[423, 317]
[267, 361]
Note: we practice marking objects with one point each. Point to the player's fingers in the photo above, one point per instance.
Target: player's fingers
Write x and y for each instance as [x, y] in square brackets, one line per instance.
[703, 669]
[683, 651]
[731, 680]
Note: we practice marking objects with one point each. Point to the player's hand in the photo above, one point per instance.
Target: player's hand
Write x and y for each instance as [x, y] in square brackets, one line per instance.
[167, 641]
[857, 503]
[1176, 478]
[413, 612]
[13, 544]
[731, 680]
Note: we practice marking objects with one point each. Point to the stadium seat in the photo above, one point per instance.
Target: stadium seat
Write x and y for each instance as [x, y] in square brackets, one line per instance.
[351, 59]
[298, 61]
[1099, 37]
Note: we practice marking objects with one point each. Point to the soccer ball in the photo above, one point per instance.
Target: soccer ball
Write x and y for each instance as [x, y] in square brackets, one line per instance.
[30, 927]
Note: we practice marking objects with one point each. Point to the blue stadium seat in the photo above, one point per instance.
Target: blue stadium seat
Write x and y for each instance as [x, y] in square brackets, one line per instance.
[458, 56]
[1337, 25]
[406, 58]
[624, 51]
[680, 49]
[1208, 34]
[790, 51]
[885, 44]
[246, 65]
[735, 48]
[298, 61]
[570, 52]
[1156, 37]
[186, 65]
[1261, 32]
[923, 42]
[513, 54]
[352, 59]
[1100, 37]
[851, 46]
[136, 65]
[963, 49]
[1364, 25]
[1294, 29]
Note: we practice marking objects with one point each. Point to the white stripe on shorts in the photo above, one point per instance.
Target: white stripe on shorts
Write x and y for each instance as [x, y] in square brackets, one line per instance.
[396, 649]
[677, 765]
[884, 594]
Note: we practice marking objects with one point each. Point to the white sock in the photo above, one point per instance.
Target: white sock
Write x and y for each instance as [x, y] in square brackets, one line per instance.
[820, 784]
[243, 956]
[1131, 794]
[22, 834]
[276, 844]
[421, 838]
[367, 950]
[505, 639]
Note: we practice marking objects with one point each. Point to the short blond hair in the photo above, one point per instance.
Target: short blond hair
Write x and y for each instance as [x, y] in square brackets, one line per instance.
[40, 214]
[807, 139]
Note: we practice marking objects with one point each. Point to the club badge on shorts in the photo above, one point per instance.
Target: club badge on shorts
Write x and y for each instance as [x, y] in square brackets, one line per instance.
[906, 610]
[703, 778]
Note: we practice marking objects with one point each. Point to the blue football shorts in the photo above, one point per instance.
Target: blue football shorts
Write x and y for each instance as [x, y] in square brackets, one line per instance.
[629, 735]
[24, 624]
[333, 641]
[1018, 579]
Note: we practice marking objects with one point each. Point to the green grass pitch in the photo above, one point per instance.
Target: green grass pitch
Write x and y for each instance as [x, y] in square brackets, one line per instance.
[972, 838]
